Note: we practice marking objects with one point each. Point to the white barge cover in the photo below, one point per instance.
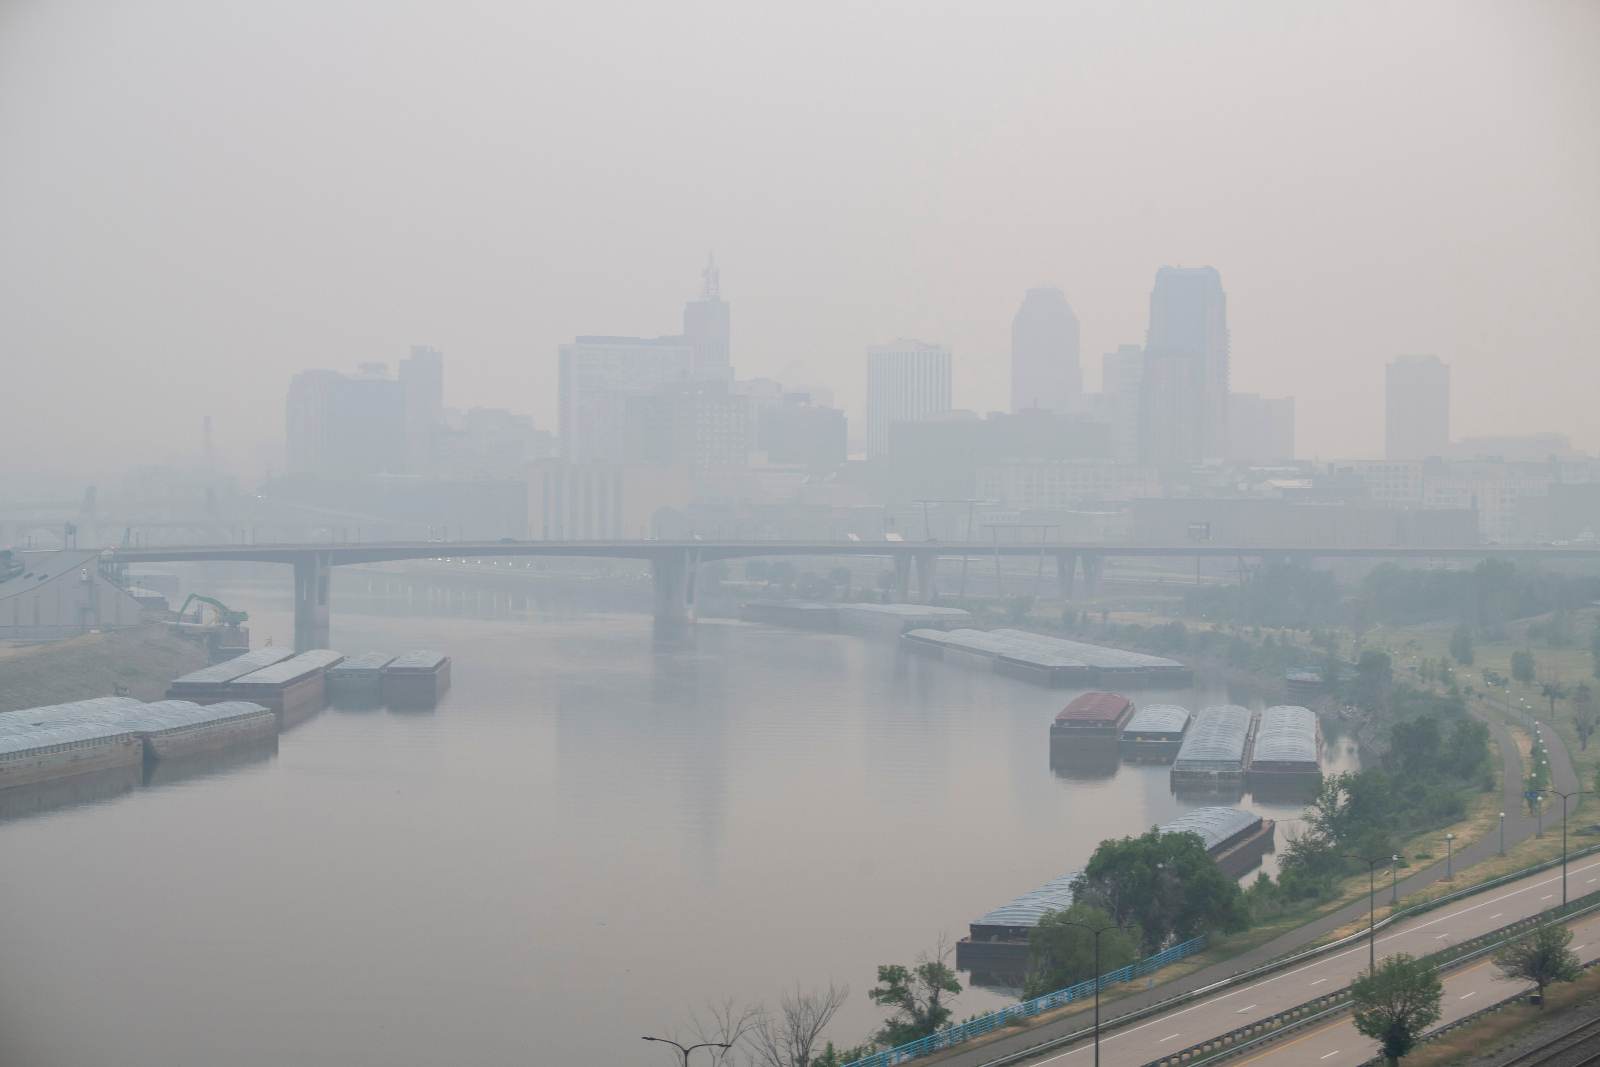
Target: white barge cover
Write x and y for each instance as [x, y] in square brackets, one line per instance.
[165, 716]
[292, 670]
[1158, 719]
[421, 660]
[366, 661]
[1092, 655]
[1216, 825]
[1288, 734]
[1029, 908]
[238, 667]
[1216, 741]
[16, 744]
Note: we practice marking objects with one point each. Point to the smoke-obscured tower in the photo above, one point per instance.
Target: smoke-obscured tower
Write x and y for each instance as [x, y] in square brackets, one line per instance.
[1045, 372]
[1183, 416]
[706, 329]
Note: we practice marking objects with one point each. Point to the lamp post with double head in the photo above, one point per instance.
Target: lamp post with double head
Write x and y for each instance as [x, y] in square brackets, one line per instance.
[1372, 904]
[683, 1053]
[1564, 796]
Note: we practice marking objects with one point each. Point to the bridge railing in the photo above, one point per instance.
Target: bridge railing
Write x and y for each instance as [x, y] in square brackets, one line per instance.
[1027, 1009]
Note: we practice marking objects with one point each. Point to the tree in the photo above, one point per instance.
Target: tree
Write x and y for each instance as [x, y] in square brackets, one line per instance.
[1522, 666]
[1165, 884]
[1540, 956]
[726, 1023]
[1461, 645]
[1554, 691]
[1594, 645]
[755, 570]
[1583, 713]
[840, 576]
[1395, 1002]
[917, 995]
[838, 1057]
[1558, 631]
[1062, 954]
[1374, 674]
[787, 1037]
[781, 573]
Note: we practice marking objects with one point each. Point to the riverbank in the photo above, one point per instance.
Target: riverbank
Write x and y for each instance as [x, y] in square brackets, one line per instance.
[142, 660]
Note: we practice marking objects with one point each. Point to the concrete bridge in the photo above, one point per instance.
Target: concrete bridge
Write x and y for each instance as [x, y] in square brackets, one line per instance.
[674, 564]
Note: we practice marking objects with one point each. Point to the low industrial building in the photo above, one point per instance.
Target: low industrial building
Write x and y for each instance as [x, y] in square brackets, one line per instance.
[63, 595]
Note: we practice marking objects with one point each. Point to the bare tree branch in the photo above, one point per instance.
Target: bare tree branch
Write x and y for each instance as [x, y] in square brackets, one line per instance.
[789, 1036]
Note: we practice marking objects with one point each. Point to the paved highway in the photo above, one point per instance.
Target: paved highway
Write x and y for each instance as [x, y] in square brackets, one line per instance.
[1466, 990]
[1145, 1041]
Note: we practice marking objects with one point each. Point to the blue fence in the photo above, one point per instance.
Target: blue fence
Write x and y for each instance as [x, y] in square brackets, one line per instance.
[1028, 1008]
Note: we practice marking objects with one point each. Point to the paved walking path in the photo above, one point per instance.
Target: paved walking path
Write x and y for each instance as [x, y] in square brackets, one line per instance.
[1519, 827]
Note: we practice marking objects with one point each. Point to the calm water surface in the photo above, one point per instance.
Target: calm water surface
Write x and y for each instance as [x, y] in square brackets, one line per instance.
[590, 838]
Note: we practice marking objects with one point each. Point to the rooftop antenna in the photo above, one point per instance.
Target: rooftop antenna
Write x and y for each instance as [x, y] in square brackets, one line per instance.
[713, 286]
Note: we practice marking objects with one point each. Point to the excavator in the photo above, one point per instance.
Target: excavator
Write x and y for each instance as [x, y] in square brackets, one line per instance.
[223, 635]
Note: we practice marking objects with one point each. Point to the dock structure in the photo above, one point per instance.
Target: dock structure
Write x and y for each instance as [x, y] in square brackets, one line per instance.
[1155, 733]
[208, 685]
[995, 951]
[358, 681]
[1046, 660]
[1217, 747]
[416, 680]
[892, 620]
[1287, 751]
[291, 687]
[796, 614]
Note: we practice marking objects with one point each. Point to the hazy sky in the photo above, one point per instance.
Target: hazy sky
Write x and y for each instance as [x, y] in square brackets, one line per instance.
[199, 199]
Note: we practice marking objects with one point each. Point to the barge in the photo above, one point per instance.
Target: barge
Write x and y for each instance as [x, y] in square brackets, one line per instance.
[170, 728]
[995, 952]
[795, 614]
[1217, 748]
[292, 688]
[1091, 715]
[358, 681]
[892, 620]
[1155, 733]
[1287, 754]
[32, 754]
[209, 685]
[416, 680]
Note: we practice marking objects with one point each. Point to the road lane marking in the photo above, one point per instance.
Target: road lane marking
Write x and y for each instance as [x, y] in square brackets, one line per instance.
[1548, 896]
[1335, 1052]
[1241, 1011]
[1291, 1044]
[1169, 1037]
[1497, 914]
[1441, 937]
[1464, 996]
[1319, 981]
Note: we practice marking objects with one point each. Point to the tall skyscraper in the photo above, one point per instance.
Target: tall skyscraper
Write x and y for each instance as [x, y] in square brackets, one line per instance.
[342, 426]
[1183, 416]
[597, 375]
[1044, 354]
[705, 329]
[1416, 408]
[906, 381]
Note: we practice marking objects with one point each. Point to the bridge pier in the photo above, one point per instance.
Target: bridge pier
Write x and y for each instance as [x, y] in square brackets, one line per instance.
[674, 573]
[927, 577]
[902, 577]
[1066, 564]
[1094, 567]
[312, 576]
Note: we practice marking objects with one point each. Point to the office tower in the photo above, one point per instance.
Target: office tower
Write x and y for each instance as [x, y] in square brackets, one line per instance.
[906, 380]
[696, 426]
[798, 431]
[597, 375]
[341, 426]
[1416, 408]
[1184, 393]
[307, 418]
[1121, 375]
[423, 377]
[1260, 429]
[1044, 354]
[705, 329]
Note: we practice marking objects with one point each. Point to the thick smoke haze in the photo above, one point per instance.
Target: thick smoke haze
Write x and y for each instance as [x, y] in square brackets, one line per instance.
[198, 200]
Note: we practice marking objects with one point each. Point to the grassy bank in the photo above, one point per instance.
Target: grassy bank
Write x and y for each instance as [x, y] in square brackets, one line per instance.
[143, 660]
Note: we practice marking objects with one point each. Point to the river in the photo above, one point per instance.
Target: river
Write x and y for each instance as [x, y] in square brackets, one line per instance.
[592, 837]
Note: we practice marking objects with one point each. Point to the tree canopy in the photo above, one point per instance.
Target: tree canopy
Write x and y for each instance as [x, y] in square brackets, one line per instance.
[1166, 884]
[1541, 956]
[917, 995]
[1396, 1002]
[1061, 951]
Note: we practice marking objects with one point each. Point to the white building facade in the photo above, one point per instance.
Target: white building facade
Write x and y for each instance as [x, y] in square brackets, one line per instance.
[906, 381]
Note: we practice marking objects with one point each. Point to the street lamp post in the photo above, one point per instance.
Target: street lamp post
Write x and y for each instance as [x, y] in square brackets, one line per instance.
[1096, 933]
[1502, 833]
[1564, 796]
[683, 1053]
[1449, 857]
[1394, 880]
[1372, 905]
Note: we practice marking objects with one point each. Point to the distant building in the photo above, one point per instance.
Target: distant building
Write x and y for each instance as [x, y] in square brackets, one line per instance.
[1525, 448]
[1121, 377]
[694, 425]
[1045, 372]
[1184, 390]
[937, 458]
[1416, 408]
[1495, 491]
[341, 426]
[1392, 481]
[800, 432]
[706, 329]
[601, 501]
[596, 377]
[423, 378]
[487, 443]
[1038, 485]
[1260, 429]
[906, 380]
